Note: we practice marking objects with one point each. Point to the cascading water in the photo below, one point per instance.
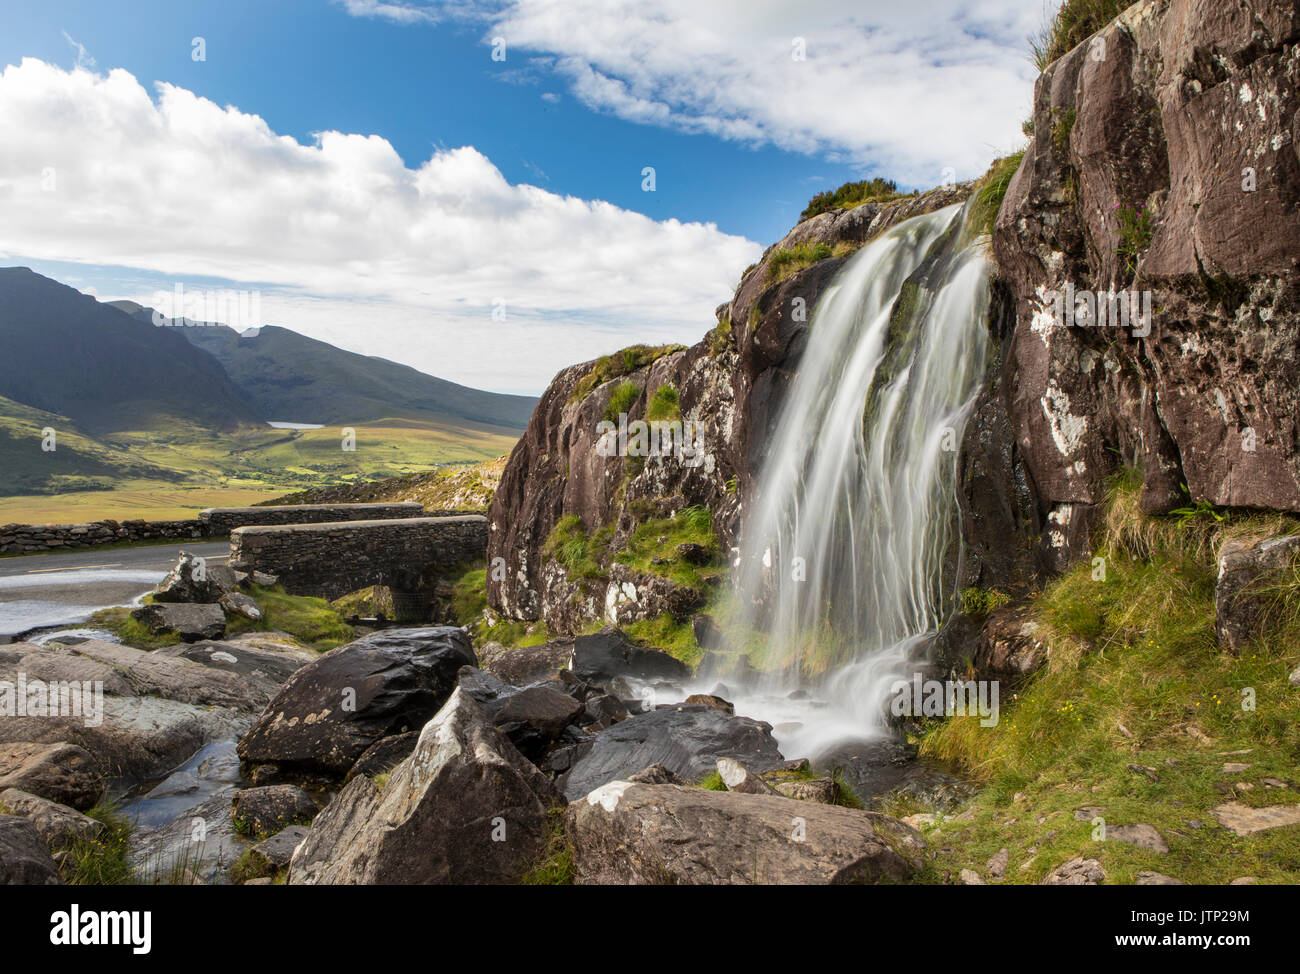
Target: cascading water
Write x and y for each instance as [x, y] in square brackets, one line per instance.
[844, 540]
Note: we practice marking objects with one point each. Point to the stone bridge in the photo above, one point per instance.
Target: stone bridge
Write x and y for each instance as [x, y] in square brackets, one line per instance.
[408, 555]
[223, 520]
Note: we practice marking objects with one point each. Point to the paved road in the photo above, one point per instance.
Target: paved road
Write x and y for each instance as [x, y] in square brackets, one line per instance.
[65, 587]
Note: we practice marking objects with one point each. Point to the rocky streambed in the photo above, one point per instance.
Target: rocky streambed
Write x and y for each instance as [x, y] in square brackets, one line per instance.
[403, 757]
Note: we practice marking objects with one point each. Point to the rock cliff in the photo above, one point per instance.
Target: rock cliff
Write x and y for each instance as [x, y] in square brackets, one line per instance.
[1161, 181]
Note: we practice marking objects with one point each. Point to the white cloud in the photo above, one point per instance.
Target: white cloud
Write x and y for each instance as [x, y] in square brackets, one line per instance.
[904, 89]
[345, 241]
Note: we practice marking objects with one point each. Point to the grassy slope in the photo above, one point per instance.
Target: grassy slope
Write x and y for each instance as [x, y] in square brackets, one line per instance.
[313, 622]
[179, 468]
[1135, 677]
[459, 488]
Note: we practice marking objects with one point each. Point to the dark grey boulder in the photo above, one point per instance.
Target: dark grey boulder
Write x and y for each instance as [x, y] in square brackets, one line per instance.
[633, 833]
[25, 860]
[192, 580]
[384, 755]
[269, 809]
[687, 740]
[465, 807]
[330, 711]
[885, 766]
[535, 717]
[601, 657]
[191, 621]
[275, 853]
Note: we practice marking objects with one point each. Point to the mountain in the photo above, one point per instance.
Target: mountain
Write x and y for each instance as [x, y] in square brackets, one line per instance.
[292, 378]
[66, 353]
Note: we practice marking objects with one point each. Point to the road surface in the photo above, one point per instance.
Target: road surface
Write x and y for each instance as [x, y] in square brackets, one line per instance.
[63, 588]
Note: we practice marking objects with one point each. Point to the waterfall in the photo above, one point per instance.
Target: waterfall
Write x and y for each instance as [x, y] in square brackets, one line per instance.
[840, 577]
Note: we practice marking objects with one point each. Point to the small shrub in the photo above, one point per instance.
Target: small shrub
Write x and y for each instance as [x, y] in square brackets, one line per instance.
[1136, 228]
[555, 866]
[621, 400]
[664, 404]
[719, 336]
[982, 601]
[1061, 131]
[249, 866]
[850, 194]
[619, 364]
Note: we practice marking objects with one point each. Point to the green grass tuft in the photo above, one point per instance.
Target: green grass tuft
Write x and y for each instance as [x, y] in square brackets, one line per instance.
[619, 364]
[1074, 23]
[102, 861]
[790, 260]
[621, 400]
[555, 865]
[664, 406]
[992, 190]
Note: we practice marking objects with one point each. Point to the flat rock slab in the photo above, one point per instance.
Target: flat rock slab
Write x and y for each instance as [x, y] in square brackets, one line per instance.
[630, 833]
[191, 621]
[527, 664]
[1151, 878]
[1076, 872]
[686, 740]
[59, 825]
[1143, 836]
[263, 663]
[276, 852]
[1245, 820]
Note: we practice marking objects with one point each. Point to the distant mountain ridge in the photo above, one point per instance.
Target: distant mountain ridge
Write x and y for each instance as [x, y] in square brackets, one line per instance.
[292, 378]
[66, 353]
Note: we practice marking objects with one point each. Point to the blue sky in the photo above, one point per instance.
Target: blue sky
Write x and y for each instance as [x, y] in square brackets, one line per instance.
[396, 256]
[307, 66]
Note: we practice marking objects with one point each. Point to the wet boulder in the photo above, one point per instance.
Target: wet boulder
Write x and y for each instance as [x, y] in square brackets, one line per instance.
[25, 860]
[603, 656]
[267, 810]
[631, 833]
[687, 740]
[465, 807]
[330, 711]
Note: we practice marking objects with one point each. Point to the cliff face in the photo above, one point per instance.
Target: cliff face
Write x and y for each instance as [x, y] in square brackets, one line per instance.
[1164, 160]
[731, 384]
[1163, 166]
